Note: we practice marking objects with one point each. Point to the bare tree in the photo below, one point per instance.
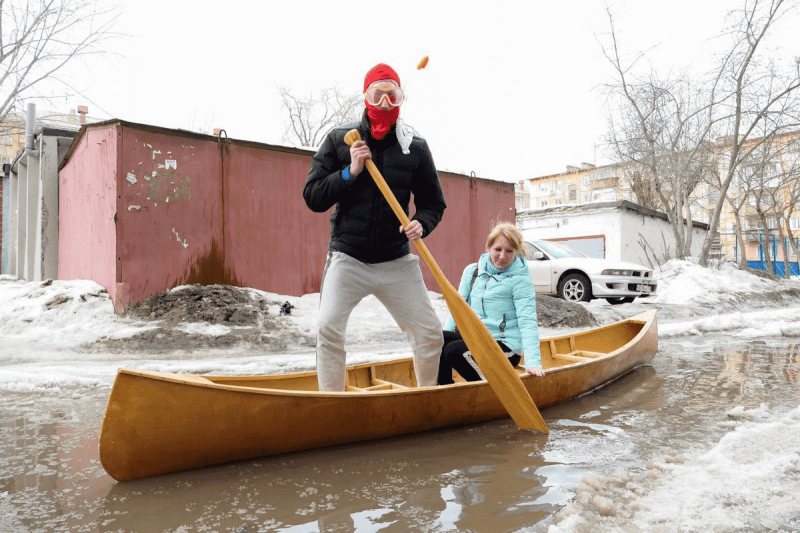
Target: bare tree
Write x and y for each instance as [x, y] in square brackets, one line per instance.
[660, 127]
[765, 188]
[759, 172]
[760, 96]
[642, 187]
[38, 38]
[737, 200]
[786, 199]
[665, 125]
[313, 116]
[792, 198]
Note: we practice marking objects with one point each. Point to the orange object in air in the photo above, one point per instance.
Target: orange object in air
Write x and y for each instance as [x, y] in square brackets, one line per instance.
[423, 63]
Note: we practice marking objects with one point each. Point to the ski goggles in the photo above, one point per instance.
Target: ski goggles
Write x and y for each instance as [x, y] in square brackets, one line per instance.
[393, 95]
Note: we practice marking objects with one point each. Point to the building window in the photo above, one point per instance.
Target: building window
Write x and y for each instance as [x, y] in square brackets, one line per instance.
[605, 195]
[557, 187]
[794, 223]
[543, 203]
[573, 192]
[587, 197]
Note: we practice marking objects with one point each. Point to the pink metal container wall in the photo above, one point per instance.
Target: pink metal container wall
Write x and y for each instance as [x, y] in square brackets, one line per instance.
[87, 242]
[145, 209]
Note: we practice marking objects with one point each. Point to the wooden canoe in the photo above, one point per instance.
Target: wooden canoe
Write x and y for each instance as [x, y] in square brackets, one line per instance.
[156, 423]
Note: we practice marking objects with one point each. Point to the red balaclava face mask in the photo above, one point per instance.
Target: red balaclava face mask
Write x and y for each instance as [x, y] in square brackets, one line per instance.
[381, 120]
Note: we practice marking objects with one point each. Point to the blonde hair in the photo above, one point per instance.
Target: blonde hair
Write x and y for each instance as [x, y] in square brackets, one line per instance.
[512, 235]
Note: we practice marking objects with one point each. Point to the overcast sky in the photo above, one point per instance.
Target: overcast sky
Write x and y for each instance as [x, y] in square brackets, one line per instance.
[512, 90]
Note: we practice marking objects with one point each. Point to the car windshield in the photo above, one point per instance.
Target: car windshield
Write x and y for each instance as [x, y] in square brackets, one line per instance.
[557, 250]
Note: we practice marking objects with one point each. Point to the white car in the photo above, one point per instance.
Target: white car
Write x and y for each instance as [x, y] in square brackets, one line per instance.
[558, 270]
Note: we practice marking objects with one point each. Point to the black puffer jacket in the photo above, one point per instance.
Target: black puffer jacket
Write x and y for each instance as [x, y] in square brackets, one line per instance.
[363, 225]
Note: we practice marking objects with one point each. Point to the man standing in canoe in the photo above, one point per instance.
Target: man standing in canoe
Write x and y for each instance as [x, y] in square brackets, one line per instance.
[367, 254]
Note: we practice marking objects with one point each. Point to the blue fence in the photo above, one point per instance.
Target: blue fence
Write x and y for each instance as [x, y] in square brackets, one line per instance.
[777, 267]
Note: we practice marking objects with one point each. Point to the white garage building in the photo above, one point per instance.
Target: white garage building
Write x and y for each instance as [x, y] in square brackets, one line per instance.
[614, 230]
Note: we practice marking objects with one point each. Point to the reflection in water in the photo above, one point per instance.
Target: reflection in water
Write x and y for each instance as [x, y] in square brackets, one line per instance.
[456, 478]
[49, 472]
[452, 511]
[463, 478]
[561, 481]
[484, 477]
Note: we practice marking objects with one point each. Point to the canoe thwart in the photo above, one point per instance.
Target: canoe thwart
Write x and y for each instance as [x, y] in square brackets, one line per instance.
[577, 356]
[585, 353]
[569, 358]
[377, 385]
[391, 385]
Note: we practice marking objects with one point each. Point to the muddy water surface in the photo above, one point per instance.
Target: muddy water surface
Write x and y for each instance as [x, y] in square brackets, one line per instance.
[485, 477]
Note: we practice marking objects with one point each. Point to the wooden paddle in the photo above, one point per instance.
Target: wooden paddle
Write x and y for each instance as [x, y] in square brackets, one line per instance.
[494, 364]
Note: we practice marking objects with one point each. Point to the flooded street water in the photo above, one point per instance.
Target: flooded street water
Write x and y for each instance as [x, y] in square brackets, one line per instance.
[487, 477]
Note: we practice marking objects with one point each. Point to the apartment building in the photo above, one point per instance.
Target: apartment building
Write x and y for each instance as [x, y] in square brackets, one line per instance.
[763, 183]
[765, 190]
[577, 186]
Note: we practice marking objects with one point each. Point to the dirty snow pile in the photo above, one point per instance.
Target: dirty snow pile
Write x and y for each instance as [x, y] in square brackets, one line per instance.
[64, 313]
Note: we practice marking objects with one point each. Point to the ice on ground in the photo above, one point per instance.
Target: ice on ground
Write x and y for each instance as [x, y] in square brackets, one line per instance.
[749, 481]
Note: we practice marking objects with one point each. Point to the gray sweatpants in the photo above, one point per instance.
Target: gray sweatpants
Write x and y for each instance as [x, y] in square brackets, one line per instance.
[398, 285]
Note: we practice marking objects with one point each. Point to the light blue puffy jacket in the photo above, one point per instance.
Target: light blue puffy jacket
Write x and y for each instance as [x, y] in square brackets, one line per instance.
[505, 301]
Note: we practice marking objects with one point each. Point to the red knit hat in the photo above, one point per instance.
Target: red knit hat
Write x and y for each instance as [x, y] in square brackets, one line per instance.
[381, 121]
[381, 71]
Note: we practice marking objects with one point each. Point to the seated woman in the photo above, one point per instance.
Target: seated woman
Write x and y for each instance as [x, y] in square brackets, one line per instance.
[499, 289]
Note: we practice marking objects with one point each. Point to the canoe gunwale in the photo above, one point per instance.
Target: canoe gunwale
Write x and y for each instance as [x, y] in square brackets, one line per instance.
[647, 324]
[194, 380]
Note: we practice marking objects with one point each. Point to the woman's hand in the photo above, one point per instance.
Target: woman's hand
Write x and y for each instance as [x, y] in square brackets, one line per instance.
[535, 371]
[359, 152]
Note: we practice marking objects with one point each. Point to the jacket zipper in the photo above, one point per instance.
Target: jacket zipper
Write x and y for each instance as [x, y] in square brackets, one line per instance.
[483, 308]
[376, 197]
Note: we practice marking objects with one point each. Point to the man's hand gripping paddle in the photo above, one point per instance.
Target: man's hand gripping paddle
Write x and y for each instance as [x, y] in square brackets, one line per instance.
[504, 380]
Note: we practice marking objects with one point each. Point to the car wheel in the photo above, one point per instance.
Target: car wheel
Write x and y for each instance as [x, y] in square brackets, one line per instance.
[575, 288]
[621, 300]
